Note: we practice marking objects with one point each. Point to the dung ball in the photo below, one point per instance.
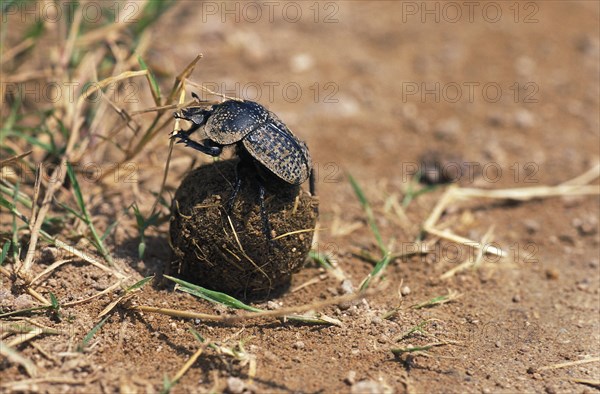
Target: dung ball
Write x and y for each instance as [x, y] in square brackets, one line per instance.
[230, 251]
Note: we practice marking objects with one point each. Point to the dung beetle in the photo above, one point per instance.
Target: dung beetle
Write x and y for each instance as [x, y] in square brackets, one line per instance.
[260, 137]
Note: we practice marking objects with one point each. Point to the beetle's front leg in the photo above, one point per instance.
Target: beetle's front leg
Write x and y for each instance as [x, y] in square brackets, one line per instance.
[207, 146]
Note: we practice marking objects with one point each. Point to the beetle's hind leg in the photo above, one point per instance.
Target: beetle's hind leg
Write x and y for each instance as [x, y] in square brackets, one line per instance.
[236, 188]
[313, 190]
[311, 183]
[263, 212]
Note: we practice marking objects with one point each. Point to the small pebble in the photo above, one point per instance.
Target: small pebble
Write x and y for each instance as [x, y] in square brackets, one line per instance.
[298, 345]
[498, 344]
[583, 285]
[550, 389]
[552, 274]
[524, 65]
[516, 298]
[524, 119]
[235, 385]
[272, 305]
[347, 287]
[405, 291]
[447, 129]
[531, 226]
[301, 62]
[367, 387]
[586, 226]
[376, 320]
[350, 378]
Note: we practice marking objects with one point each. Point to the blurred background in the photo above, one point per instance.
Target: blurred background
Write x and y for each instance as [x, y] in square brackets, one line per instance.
[505, 93]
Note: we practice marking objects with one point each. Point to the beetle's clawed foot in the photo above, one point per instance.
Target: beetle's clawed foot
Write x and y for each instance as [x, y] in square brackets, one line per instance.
[182, 137]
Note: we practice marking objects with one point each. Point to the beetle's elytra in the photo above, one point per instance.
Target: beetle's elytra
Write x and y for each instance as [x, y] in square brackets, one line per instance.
[260, 137]
[255, 130]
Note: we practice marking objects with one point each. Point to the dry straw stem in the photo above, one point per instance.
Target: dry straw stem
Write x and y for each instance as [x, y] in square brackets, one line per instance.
[29, 385]
[568, 364]
[4, 163]
[188, 364]
[67, 248]
[575, 187]
[101, 293]
[237, 240]
[24, 338]
[589, 382]
[478, 260]
[255, 315]
[15, 357]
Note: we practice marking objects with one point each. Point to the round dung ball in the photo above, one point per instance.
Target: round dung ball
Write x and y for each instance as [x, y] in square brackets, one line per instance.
[231, 251]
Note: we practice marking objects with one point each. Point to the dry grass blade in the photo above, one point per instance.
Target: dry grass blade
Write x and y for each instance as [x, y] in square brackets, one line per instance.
[110, 81]
[24, 338]
[66, 247]
[444, 299]
[237, 240]
[473, 263]
[254, 315]
[15, 357]
[446, 234]
[166, 171]
[48, 270]
[419, 349]
[529, 193]
[576, 186]
[26, 384]
[306, 230]
[188, 364]
[568, 364]
[589, 382]
[4, 163]
[101, 293]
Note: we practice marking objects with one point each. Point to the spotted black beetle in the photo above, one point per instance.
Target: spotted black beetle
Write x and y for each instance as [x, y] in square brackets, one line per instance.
[260, 138]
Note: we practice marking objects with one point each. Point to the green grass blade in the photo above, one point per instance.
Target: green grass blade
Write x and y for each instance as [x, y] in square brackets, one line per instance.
[370, 217]
[4, 253]
[212, 296]
[54, 301]
[139, 284]
[152, 79]
[401, 351]
[321, 258]
[21, 197]
[78, 215]
[27, 310]
[150, 14]
[109, 230]
[97, 241]
[91, 334]
[15, 229]
[379, 267]
[76, 189]
[197, 335]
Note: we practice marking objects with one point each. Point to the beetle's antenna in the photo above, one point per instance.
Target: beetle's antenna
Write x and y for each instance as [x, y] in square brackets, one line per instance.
[207, 90]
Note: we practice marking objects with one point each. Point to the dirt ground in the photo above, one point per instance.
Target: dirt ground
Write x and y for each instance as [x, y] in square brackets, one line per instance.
[507, 91]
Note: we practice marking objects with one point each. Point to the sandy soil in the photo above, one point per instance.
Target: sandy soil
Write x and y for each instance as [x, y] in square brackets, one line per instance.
[508, 91]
